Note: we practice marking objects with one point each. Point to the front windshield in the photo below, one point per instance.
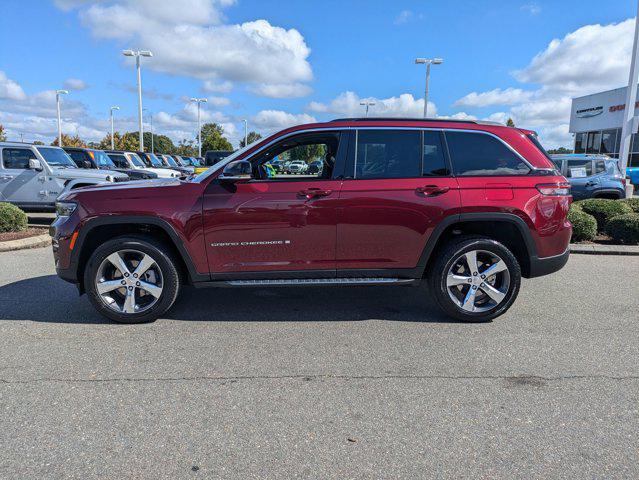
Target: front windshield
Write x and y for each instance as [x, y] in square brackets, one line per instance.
[213, 168]
[137, 161]
[181, 160]
[168, 159]
[56, 157]
[102, 159]
[155, 161]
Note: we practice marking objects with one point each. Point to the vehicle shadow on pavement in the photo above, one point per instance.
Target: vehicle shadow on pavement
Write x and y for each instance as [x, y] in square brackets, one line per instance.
[48, 299]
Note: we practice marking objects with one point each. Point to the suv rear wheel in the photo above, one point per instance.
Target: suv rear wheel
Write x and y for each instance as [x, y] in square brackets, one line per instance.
[131, 279]
[475, 279]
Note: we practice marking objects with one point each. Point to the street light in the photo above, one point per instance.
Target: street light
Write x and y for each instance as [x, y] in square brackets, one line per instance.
[427, 62]
[368, 104]
[245, 132]
[57, 103]
[137, 54]
[199, 130]
[151, 117]
[115, 107]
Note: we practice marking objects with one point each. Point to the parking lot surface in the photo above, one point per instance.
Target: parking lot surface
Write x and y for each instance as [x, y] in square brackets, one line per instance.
[321, 382]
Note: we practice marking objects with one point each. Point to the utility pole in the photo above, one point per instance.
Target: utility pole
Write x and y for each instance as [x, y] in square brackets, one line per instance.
[245, 132]
[368, 104]
[199, 128]
[428, 62]
[57, 103]
[137, 54]
[112, 130]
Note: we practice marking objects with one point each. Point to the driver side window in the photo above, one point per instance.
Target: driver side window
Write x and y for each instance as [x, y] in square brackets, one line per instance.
[303, 157]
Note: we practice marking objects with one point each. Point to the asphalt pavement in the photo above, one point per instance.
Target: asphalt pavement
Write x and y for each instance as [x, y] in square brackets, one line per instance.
[359, 382]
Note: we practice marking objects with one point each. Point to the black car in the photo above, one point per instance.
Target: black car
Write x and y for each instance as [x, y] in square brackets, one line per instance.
[92, 158]
[151, 160]
[214, 156]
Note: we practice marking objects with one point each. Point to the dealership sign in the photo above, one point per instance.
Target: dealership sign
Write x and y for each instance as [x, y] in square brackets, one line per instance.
[590, 112]
[618, 108]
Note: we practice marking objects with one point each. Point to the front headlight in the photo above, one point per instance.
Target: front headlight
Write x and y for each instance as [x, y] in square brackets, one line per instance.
[65, 209]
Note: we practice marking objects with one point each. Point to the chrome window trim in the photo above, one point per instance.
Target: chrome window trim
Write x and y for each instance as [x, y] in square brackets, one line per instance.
[227, 160]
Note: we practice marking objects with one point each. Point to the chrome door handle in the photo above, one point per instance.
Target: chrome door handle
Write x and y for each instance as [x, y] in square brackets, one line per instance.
[6, 177]
[314, 192]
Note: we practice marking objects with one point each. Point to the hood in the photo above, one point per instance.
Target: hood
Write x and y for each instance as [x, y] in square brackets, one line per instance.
[71, 173]
[135, 185]
[163, 172]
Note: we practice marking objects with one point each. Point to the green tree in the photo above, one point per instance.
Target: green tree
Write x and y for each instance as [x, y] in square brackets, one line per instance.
[161, 143]
[38, 142]
[213, 138]
[559, 151]
[69, 141]
[186, 148]
[510, 122]
[3, 134]
[252, 138]
[128, 141]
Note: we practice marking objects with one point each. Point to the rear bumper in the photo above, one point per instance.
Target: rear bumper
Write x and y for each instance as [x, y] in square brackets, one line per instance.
[547, 265]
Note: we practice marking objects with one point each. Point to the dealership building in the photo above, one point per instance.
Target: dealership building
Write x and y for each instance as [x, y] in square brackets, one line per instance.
[596, 122]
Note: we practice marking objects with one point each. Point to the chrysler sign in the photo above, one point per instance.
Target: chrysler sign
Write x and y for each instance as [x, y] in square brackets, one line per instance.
[589, 112]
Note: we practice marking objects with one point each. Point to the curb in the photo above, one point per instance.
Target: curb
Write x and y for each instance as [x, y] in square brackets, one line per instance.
[592, 249]
[23, 243]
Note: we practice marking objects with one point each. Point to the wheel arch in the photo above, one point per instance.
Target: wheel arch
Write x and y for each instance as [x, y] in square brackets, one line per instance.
[95, 231]
[506, 228]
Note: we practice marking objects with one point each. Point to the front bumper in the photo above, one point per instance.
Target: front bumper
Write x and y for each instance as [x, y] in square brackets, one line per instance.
[61, 232]
[547, 265]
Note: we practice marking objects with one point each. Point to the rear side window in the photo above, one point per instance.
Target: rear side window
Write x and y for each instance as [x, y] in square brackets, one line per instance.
[77, 157]
[388, 154]
[119, 160]
[600, 166]
[434, 161]
[579, 168]
[479, 154]
[17, 157]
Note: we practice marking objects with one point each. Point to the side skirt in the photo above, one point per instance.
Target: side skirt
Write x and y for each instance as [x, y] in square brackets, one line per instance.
[310, 282]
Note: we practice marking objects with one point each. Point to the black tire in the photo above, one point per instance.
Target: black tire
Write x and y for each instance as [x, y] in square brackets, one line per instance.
[163, 260]
[445, 260]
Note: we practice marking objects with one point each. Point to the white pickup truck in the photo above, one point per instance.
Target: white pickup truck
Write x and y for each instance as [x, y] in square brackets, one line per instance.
[33, 176]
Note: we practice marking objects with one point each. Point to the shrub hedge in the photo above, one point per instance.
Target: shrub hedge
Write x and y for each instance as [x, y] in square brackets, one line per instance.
[584, 226]
[604, 209]
[632, 203]
[624, 228]
[12, 219]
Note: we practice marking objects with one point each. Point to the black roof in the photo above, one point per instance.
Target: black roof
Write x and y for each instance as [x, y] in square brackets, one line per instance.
[412, 119]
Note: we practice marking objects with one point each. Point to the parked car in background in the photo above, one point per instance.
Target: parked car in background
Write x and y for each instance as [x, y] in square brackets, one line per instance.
[211, 157]
[196, 164]
[131, 160]
[314, 168]
[592, 176]
[466, 207]
[297, 167]
[169, 162]
[633, 174]
[92, 158]
[33, 176]
[152, 161]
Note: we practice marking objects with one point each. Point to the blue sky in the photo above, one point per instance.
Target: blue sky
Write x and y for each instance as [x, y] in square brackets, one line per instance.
[280, 62]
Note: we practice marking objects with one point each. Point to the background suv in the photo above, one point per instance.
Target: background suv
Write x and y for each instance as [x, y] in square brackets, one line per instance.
[467, 208]
[91, 158]
[132, 161]
[33, 176]
[592, 176]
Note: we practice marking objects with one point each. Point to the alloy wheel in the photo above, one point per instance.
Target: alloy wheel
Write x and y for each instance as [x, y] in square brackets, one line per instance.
[129, 281]
[478, 281]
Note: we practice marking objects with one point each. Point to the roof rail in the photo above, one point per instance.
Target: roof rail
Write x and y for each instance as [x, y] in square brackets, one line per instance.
[413, 119]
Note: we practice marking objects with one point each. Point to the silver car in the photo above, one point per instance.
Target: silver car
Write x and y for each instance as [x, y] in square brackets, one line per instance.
[33, 176]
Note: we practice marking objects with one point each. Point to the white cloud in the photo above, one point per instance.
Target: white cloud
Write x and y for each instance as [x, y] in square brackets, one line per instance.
[196, 42]
[211, 86]
[10, 89]
[508, 96]
[533, 8]
[348, 104]
[403, 17]
[219, 101]
[590, 59]
[75, 84]
[278, 119]
[283, 90]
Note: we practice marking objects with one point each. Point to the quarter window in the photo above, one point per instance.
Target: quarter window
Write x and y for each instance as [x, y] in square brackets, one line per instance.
[17, 158]
[388, 154]
[479, 154]
[434, 161]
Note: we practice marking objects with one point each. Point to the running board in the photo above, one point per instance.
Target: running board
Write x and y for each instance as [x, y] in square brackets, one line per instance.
[299, 282]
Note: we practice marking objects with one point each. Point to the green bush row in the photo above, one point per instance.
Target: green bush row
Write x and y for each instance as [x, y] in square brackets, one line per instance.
[617, 218]
[12, 219]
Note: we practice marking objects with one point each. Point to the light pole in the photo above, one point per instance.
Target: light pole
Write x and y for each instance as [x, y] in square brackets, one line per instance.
[367, 104]
[245, 132]
[57, 103]
[137, 54]
[115, 107]
[427, 62]
[199, 129]
[151, 117]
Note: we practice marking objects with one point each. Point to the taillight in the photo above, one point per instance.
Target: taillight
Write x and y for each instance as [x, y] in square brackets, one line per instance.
[623, 181]
[555, 189]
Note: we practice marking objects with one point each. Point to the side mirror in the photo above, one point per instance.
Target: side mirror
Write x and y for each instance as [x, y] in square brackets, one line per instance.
[86, 164]
[238, 170]
[34, 164]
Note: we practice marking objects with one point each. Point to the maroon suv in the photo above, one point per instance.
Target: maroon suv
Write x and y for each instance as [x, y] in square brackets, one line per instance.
[466, 207]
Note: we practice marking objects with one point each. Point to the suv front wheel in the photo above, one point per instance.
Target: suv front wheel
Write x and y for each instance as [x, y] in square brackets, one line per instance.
[475, 279]
[131, 279]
